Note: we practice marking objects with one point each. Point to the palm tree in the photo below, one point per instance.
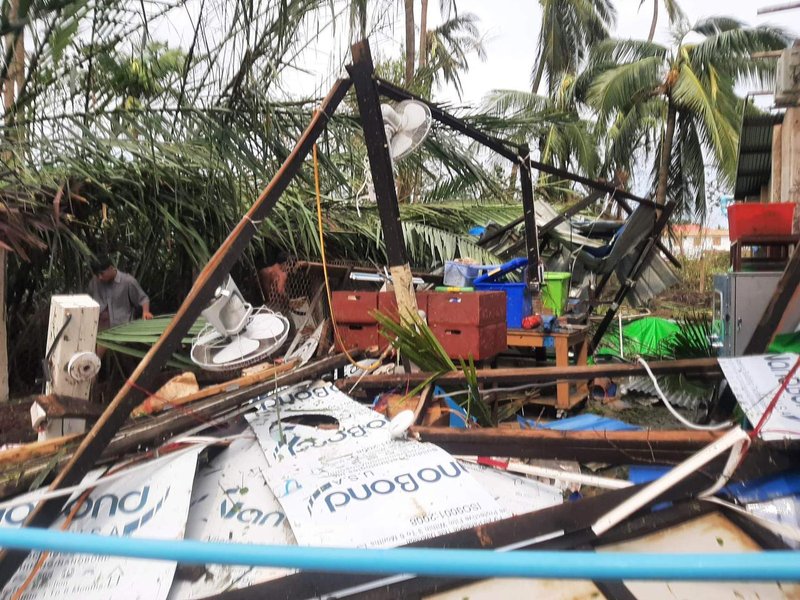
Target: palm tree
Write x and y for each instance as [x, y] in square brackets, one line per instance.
[569, 29]
[565, 139]
[674, 13]
[682, 96]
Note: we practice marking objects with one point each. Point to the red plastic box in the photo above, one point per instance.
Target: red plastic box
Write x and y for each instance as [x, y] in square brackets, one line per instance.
[468, 308]
[361, 336]
[387, 303]
[481, 343]
[354, 307]
[756, 218]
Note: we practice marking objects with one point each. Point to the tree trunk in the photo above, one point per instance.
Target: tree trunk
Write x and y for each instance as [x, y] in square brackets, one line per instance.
[15, 76]
[410, 46]
[666, 155]
[423, 35]
[653, 22]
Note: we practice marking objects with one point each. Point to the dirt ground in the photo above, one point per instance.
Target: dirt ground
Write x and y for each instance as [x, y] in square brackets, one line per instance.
[15, 422]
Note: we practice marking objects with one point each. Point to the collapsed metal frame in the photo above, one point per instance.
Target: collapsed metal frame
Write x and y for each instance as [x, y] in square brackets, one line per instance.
[367, 88]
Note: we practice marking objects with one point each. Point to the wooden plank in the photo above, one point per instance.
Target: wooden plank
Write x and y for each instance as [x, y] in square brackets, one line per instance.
[790, 156]
[78, 316]
[646, 447]
[524, 532]
[509, 376]
[767, 326]
[19, 466]
[775, 180]
[154, 405]
[18, 455]
[135, 388]
[369, 108]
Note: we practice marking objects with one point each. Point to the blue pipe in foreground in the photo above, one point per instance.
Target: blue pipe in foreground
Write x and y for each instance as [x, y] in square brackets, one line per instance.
[755, 566]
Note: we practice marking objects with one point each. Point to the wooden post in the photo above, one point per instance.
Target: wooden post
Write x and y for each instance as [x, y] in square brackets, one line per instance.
[790, 156]
[77, 316]
[362, 74]
[777, 167]
[3, 329]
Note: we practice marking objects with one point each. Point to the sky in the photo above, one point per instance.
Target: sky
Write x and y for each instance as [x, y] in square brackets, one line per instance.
[510, 28]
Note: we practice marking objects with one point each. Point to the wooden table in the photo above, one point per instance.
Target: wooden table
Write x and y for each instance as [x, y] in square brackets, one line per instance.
[568, 394]
[779, 250]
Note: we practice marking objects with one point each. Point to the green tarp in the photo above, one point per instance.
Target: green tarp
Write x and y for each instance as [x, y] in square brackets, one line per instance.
[645, 337]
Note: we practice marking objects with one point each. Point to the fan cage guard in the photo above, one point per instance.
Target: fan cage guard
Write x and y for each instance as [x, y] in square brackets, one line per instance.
[209, 342]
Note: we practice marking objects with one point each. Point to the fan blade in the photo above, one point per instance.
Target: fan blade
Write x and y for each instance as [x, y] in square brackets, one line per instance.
[401, 144]
[414, 115]
[236, 350]
[263, 327]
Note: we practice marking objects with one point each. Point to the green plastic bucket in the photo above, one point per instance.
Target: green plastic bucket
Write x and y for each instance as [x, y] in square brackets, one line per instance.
[555, 291]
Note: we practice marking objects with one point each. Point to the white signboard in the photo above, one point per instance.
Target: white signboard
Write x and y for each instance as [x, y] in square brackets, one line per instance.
[755, 380]
[150, 503]
[516, 493]
[351, 485]
[231, 502]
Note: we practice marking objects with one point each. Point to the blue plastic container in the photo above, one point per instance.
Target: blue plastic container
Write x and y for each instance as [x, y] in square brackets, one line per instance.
[518, 300]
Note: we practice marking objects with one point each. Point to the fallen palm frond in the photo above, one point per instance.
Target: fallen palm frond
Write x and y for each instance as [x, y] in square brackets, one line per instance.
[136, 338]
[414, 340]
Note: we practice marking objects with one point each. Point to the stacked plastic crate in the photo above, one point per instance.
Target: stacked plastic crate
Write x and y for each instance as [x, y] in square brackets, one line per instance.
[466, 324]
[469, 323]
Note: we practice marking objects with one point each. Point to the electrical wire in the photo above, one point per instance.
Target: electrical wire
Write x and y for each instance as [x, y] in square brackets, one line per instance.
[674, 412]
[336, 334]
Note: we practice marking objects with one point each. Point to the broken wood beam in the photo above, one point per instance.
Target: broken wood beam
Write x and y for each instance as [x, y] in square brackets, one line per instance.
[560, 527]
[510, 376]
[20, 466]
[647, 446]
[136, 387]
[153, 404]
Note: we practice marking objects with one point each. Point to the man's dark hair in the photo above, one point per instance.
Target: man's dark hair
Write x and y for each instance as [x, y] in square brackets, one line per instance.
[281, 258]
[100, 264]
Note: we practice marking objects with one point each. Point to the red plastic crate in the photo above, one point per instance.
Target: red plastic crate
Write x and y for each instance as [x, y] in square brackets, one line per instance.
[387, 303]
[468, 308]
[481, 342]
[354, 307]
[756, 218]
[363, 336]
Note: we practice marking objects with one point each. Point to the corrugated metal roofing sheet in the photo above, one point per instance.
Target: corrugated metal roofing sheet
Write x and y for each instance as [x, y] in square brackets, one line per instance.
[755, 154]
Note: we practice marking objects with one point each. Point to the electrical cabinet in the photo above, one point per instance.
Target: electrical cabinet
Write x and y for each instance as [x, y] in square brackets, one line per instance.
[739, 302]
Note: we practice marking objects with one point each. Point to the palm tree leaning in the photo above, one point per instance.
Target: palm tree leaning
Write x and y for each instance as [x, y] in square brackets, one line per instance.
[674, 13]
[690, 88]
[569, 29]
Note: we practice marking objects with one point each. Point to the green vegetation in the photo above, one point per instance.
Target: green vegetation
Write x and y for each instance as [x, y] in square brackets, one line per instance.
[117, 139]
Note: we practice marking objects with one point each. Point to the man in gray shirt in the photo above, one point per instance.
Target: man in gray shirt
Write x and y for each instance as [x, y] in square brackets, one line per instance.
[117, 293]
